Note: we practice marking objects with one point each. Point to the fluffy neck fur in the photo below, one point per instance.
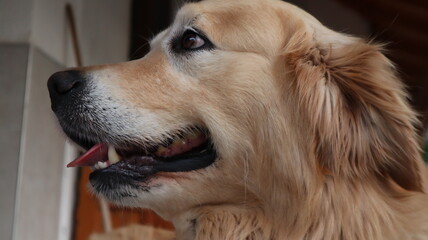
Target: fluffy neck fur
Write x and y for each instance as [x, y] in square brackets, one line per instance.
[337, 210]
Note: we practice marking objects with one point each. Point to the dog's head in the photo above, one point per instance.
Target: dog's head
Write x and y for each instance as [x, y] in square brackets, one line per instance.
[239, 101]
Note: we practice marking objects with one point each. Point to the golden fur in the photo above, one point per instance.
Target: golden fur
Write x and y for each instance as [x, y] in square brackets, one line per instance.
[313, 128]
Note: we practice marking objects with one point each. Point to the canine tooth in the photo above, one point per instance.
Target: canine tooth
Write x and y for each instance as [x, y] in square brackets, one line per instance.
[112, 155]
[105, 164]
[102, 164]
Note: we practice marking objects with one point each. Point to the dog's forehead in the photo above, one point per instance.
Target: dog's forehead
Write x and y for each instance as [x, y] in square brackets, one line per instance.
[233, 25]
[212, 13]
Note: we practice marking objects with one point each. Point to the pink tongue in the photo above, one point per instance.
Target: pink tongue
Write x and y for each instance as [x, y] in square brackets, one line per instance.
[98, 153]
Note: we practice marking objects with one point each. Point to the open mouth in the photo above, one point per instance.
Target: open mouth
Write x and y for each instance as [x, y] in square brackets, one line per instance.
[188, 152]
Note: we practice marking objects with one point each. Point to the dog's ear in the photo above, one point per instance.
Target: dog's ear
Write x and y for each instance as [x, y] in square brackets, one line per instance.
[357, 108]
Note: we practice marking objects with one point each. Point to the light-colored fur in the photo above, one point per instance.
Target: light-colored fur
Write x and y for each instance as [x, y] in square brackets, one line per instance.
[315, 136]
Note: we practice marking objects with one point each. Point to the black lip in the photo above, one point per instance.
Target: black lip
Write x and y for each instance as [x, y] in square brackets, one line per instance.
[138, 169]
[137, 166]
[198, 158]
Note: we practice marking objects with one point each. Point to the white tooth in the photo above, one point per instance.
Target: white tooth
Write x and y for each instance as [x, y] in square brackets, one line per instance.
[102, 164]
[105, 164]
[112, 155]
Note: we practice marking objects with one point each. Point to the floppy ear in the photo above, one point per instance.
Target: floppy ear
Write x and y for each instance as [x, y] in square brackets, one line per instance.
[357, 108]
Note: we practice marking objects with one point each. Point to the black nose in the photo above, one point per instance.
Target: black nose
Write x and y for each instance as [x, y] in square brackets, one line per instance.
[63, 86]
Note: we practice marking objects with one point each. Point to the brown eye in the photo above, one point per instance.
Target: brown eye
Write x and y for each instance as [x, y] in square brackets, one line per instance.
[191, 40]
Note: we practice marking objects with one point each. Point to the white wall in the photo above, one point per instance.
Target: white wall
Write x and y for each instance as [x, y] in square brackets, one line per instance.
[40, 162]
[13, 57]
[15, 18]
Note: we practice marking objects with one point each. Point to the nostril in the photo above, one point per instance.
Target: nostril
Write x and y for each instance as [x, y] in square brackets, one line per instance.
[65, 86]
[63, 82]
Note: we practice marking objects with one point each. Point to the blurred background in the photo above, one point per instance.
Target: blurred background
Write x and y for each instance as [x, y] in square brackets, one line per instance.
[39, 197]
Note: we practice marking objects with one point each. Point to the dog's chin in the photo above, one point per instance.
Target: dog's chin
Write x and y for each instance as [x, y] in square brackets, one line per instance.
[121, 172]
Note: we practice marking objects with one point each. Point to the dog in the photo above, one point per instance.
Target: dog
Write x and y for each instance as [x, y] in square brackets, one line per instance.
[249, 119]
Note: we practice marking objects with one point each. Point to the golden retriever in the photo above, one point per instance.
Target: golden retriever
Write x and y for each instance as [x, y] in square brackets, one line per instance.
[249, 119]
